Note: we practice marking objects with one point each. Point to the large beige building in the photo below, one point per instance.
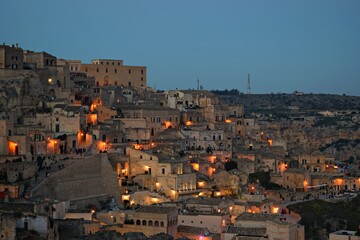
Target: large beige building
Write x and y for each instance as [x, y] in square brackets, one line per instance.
[151, 220]
[113, 72]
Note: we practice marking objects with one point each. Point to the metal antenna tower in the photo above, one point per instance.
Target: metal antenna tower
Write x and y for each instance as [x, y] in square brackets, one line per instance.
[198, 84]
[248, 85]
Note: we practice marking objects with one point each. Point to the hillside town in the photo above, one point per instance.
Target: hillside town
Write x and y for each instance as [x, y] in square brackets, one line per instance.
[91, 151]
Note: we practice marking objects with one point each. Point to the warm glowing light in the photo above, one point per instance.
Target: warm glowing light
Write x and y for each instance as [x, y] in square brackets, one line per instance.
[283, 167]
[92, 211]
[338, 181]
[218, 193]
[228, 120]
[195, 166]
[230, 208]
[270, 142]
[212, 159]
[152, 144]
[138, 146]
[275, 210]
[12, 148]
[125, 197]
[201, 184]
[82, 134]
[168, 124]
[132, 202]
[155, 200]
[157, 185]
[188, 123]
[50, 80]
[55, 142]
[305, 183]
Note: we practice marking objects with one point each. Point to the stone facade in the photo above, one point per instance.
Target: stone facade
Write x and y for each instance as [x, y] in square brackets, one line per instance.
[215, 222]
[11, 57]
[40, 59]
[113, 72]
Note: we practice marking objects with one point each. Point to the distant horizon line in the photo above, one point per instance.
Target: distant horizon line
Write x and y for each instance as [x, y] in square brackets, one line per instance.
[255, 93]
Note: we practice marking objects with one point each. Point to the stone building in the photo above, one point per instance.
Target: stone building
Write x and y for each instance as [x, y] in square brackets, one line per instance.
[162, 174]
[113, 72]
[275, 227]
[227, 182]
[158, 118]
[11, 57]
[315, 162]
[215, 222]
[40, 60]
[151, 220]
[209, 205]
[18, 171]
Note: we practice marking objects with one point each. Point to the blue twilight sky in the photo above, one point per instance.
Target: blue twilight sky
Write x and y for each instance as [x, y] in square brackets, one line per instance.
[286, 45]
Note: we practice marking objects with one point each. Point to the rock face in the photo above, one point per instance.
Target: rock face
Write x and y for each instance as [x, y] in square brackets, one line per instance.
[89, 178]
[19, 88]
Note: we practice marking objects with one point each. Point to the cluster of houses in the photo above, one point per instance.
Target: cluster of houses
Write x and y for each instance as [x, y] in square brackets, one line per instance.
[89, 148]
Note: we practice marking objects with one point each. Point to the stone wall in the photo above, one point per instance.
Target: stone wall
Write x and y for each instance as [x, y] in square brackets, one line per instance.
[87, 178]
